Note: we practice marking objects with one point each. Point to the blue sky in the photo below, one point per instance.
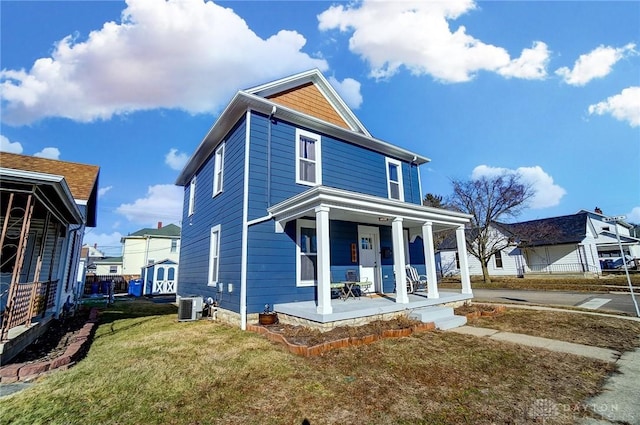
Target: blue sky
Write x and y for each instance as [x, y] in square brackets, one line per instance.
[549, 90]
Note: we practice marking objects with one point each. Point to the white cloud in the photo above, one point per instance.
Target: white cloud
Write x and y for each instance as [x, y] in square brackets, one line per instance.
[175, 160]
[162, 203]
[546, 192]
[624, 106]
[595, 64]
[103, 190]
[192, 55]
[633, 216]
[49, 153]
[108, 243]
[531, 65]
[349, 90]
[7, 145]
[416, 35]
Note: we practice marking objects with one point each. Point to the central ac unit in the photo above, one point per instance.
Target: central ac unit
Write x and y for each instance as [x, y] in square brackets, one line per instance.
[189, 308]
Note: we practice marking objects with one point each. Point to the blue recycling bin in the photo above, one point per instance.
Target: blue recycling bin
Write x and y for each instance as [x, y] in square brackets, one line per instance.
[135, 287]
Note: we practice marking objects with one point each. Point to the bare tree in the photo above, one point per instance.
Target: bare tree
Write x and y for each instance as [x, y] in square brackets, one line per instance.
[488, 200]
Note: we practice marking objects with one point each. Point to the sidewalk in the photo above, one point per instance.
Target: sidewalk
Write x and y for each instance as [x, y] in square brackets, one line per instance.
[619, 401]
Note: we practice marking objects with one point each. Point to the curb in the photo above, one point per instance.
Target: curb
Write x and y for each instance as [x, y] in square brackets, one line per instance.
[22, 372]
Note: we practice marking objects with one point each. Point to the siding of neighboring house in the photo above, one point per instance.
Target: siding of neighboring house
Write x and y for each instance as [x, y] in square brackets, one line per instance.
[138, 252]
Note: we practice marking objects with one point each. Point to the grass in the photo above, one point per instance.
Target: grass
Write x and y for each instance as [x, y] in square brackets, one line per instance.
[144, 367]
[599, 331]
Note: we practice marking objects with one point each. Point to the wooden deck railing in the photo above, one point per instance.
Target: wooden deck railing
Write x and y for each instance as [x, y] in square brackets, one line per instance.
[29, 300]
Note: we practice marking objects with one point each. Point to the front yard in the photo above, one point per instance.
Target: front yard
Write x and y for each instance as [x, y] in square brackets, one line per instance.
[144, 367]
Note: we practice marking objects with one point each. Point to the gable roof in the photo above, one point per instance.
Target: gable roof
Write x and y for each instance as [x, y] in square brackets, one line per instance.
[310, 93]
[549, 231]
[170, 230]
[81, 179]
[280, 103]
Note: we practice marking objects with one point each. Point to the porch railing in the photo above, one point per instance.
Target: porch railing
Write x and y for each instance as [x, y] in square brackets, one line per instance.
[30, 299]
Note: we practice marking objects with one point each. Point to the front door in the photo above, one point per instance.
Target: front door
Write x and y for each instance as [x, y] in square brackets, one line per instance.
[369, 254]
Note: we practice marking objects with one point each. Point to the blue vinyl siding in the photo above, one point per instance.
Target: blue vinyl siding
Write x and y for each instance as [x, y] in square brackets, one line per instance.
[271, 256]
[226, 210]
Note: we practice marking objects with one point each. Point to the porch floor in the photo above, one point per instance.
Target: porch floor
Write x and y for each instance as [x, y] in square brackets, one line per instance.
[373, 305]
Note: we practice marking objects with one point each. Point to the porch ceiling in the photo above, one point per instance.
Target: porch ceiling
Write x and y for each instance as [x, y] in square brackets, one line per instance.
[351, 206]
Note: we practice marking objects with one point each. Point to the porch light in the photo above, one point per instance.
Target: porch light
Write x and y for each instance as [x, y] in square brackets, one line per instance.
[383, 218]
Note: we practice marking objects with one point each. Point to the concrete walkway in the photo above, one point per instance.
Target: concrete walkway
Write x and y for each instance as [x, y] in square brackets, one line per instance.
[619, 402]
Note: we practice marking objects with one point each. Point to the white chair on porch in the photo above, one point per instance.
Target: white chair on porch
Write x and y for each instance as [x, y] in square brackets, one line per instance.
[415, 281]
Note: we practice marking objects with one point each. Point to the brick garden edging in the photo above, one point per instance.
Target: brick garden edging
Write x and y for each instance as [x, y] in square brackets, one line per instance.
[316, 350]
[484, 313]
[74, 351]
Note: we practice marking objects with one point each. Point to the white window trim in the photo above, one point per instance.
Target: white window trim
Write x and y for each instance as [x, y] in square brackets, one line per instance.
[495, 260]
[192, 196]
[400, 183]
[218, 170]
[213, 280]
[318, 161]
[299, 224]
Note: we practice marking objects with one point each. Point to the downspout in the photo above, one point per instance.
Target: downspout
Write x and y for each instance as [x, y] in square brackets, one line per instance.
[245, 226]
[273, 111]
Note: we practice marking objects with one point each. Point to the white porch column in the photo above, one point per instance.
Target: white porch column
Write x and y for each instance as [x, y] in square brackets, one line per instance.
[464, 262]
[397, 236]
[430, 260]
[323, 261]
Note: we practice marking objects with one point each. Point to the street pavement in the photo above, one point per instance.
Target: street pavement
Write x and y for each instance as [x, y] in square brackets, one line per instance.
[596, 301]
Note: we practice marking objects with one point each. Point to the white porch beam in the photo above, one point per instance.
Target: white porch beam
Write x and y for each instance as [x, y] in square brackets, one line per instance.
[323, 263]
[397, 236]
[430, 260]
[464, 261]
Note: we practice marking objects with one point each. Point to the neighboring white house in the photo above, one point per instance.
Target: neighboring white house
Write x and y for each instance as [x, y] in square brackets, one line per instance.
[581, 243]
[108, 266]
[149, 246]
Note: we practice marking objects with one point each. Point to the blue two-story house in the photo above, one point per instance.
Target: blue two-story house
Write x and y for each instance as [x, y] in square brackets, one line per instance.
[287, 192]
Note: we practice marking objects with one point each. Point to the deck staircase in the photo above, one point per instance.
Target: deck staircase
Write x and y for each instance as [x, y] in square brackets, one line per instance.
[442, 317]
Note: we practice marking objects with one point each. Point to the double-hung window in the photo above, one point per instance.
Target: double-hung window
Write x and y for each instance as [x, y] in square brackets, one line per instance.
[218, 170]
[498, 259]
[394, 179]
[192, 196]
[214, 256]
[307, 258]
[308, 166]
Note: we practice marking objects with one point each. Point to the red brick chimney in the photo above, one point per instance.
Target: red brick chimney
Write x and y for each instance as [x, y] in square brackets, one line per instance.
[159, 225]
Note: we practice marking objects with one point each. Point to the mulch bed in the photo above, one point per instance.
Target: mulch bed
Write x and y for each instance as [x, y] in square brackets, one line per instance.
[301, 335]
[54, 342]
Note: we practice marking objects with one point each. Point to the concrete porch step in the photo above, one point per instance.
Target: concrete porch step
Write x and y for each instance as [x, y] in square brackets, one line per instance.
[442, 317]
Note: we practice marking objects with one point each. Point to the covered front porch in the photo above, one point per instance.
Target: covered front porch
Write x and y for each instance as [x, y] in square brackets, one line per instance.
[321, 207]
[357, 311]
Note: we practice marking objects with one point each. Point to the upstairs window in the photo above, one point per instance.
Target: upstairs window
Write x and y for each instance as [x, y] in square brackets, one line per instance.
[308, 169]
[218, 170]
[174, 245]
[192, 195]
[394, 179]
